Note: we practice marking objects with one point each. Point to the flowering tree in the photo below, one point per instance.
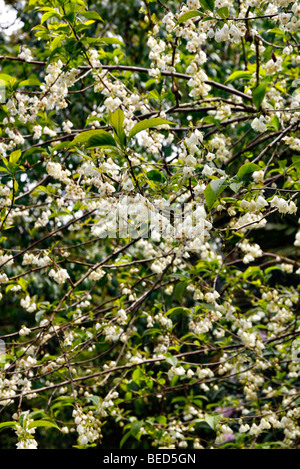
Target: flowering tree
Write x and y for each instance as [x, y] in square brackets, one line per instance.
[149, 268]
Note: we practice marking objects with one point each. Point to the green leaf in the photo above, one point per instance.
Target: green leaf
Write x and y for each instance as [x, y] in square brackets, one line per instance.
[223, 12]
[95, 400]
[239, 74]
[296, 161]
[125, 438]
[213, 420]
[148, 124]
[276, 31]
[5, 425]
[42, 189]
[7, 78]
[56, 42]
[172, 360]
[208, 4]
[174, 380]
[211, 120]
[213, 190]
[42, 423]
[188, 15]
[95, 138]
[181, 399]
[178, 310]
[210, 197]
[30, 151]
[86, 25]
[110, 40]
[50, 14]
[217, 185]
[275, 122]
[116, 120]
[161, 419]
[247, 168]
[252, 272]
[179, 290]
[154, 94]
[30, 82]
[258, 94]
[135, 428]
[136, 376]
[92, 15]
[62, 146]
[15, 156]
[155, 175]
[39, 315]
[235, 186]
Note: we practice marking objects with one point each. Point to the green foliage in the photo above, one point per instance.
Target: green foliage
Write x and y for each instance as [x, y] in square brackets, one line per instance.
[258, 94]
[148, 124]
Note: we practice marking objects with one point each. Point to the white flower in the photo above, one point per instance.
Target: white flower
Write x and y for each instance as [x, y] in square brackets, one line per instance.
[273, 66]
[83, 440]
[193, 4]
[180, 371]
[207, 170]
[128, 185]
[37, 129]
[244, 428]
[28, 304]
[288, 268]
[255, 430]
[258, 124]
[258, 176]
[261, 202]
[60, 276]
[3, 278]
[48, 131]
[25, 54]
[112, 104]
[97, 274]
[283, 205]
[122, 317]
[24, 331]
[222, 34]
[67, 126]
